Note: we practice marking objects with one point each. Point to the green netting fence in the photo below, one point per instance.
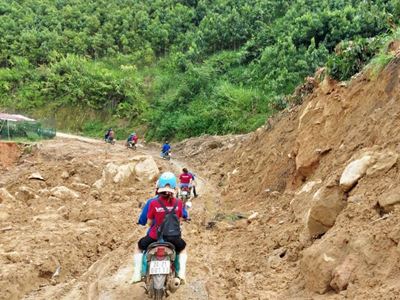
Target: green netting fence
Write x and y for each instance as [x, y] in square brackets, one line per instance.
[31, 130]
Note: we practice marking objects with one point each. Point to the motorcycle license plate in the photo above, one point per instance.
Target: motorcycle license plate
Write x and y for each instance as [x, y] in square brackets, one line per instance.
[160, 267]
[184, 193]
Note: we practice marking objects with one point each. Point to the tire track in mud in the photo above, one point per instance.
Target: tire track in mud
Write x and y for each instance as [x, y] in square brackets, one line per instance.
[109, 277]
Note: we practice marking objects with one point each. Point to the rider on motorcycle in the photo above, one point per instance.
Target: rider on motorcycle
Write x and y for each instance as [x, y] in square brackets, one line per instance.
[132, 139]
[155, 218]
[109, 136]
[166, 148]
[186, 179]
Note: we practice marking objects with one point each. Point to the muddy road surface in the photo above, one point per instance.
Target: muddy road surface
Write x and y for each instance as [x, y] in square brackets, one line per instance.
[65, 236]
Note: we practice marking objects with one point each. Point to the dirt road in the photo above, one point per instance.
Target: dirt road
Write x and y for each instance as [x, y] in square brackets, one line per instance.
[90, 239]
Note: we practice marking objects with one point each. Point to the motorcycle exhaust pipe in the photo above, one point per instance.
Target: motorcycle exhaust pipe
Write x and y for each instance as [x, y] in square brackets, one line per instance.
[174, 285]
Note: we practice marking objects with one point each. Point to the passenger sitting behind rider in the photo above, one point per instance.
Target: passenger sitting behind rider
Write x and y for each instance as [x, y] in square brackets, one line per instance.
[155, 218]
[185, 179]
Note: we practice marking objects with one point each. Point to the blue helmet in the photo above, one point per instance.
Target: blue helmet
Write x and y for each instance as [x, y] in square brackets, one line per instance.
[166, 182]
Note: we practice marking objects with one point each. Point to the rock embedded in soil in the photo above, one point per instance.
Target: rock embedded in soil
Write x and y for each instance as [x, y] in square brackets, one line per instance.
[342, 274]
[36, 176]
[5, 196]
[317, 265]
[385, 160]
[354, 171]
[389, 199]
[327, 203]
[25, 193]
[64, 193]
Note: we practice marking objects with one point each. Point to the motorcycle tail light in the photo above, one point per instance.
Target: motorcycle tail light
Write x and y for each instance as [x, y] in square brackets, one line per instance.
[160, 252]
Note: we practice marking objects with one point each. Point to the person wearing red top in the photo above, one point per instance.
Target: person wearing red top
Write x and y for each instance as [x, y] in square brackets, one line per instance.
[186, 179]
[157, 213]
[166, 186]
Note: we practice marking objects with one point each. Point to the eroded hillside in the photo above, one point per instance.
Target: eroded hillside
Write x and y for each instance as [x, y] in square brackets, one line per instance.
[322, 183]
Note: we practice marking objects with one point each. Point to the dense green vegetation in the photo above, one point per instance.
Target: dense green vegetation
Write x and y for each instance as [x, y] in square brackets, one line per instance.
[178, 68]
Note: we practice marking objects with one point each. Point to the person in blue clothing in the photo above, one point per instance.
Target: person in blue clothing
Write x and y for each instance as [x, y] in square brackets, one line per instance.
[166, 148]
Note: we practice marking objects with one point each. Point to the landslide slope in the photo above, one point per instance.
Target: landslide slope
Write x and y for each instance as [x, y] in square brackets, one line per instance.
[320, 185]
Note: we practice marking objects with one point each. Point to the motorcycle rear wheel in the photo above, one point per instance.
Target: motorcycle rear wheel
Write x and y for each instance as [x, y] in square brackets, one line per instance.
[158, 294]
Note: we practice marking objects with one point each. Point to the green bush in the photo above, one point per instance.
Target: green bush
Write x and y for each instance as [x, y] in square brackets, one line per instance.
[351, 57]
[178, 68]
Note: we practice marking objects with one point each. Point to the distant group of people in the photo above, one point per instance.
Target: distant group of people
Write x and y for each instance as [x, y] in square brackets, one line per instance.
[132, 139]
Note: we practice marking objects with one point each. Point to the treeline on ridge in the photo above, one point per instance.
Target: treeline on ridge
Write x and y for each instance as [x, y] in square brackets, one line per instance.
[178, 68]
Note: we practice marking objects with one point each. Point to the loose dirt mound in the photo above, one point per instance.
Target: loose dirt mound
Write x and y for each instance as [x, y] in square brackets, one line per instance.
[318, 229]
[68, 223]
[9, 154]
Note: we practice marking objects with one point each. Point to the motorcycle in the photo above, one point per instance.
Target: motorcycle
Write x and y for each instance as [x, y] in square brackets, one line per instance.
[185, 193]
[159, 265]
[131, 145]
[110, 141]
[166, 155]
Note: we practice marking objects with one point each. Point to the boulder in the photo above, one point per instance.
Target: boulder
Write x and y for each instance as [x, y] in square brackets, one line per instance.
[5, 196]
[99, 183]
[371, 163]
[147, 170]
[64, 193]
[306, 162]
[327, 203]
[26, 193]
[44, 193]
[113, 173]
[306, 188]
[354, 171]
[301, 202]
[385, 160]
[389, 199]
[341, 275]
[80, 186]
[319, 261]
[317, 268]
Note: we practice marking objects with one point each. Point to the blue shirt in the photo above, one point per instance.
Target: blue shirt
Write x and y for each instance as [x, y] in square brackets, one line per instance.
[166, 148]
[143, 215]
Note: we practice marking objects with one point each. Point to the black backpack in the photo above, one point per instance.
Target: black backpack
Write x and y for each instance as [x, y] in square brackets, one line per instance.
[170, 227]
